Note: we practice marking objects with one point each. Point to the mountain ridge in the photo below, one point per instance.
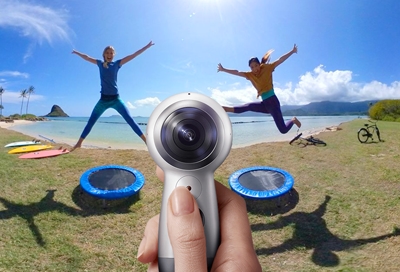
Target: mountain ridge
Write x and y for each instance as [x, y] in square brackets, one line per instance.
[322, 108]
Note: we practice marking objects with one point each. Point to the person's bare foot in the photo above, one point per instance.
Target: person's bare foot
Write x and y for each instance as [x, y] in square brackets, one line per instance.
[296, 122]
[143, 137]
[228, 109]
[77, 145]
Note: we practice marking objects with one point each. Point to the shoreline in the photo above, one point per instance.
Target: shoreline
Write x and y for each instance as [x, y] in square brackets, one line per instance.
[287, 138]
[90, 144]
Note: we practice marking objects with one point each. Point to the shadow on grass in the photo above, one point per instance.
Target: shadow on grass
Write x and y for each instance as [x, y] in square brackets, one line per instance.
[48, 204]
[274, 206]
[311, 232]
[373, 142]
[91, 205]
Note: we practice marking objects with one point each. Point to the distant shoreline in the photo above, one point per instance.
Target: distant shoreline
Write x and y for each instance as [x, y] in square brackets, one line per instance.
[91, 144]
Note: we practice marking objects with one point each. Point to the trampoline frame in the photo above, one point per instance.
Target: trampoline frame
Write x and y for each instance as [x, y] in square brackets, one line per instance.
[112, 194]
[268, 194]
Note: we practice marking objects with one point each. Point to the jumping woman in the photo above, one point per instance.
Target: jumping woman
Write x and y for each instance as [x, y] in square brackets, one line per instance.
[109, 90]
[261, 78]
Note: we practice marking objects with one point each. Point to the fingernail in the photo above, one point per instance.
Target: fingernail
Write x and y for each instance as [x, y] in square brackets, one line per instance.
[142, 247]
[182, 202]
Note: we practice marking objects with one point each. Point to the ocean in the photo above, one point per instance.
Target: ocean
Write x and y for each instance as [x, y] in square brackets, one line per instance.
[113, 132]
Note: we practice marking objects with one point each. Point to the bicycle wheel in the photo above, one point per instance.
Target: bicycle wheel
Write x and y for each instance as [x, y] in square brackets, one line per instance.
[316, 141]
[363, 135]
[295, 138]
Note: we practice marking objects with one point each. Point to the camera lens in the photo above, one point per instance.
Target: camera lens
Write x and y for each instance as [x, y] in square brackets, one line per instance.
[189, 135]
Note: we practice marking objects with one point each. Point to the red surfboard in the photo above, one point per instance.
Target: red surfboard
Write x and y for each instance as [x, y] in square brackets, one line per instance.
[44, 154]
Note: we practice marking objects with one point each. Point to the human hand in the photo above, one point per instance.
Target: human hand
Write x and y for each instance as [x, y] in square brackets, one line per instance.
[185, 229]
[220, 68]
[294, 50]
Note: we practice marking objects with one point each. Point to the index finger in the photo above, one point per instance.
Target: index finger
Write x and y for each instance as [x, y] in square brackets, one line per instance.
[236, 250]
[233, 212]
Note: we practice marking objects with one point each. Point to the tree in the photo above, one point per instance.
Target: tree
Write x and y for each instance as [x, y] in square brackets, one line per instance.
[1, 100]
[29, 92]
[23, 94]
[386, 110]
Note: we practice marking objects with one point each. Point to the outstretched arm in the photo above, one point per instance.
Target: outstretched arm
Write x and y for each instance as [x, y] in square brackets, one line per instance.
[137, 53]
[286, 56]
[229, 71]
[84, 56]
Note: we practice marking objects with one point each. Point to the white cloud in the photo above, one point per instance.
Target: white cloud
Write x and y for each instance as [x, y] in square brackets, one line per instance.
[37, 22]
[185, 67]
[315, 86]
[130, 106]
[234, 96]
[321, 85]
[149, 101]
[14, 97]
[13, 74]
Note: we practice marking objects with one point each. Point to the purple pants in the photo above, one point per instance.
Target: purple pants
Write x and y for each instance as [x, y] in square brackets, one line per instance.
[270, 105]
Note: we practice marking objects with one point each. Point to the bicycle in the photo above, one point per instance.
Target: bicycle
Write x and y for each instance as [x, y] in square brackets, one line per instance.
[367, 132]
[310, 140]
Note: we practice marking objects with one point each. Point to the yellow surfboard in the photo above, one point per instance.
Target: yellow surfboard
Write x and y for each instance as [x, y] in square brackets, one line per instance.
[30, 148]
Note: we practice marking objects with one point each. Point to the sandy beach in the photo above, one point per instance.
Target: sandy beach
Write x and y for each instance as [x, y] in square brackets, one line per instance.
[16, 122]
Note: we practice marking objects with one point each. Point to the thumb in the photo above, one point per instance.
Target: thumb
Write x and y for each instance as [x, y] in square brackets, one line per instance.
[186, 232]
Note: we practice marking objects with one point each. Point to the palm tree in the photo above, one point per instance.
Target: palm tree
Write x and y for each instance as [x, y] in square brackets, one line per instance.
[23, 94]
[29, 92]
[1, 100]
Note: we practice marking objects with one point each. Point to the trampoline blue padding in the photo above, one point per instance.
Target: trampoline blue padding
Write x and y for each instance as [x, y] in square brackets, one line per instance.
[112, 181]
[261, 182]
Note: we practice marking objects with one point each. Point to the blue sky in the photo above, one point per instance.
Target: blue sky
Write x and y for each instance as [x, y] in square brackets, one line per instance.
[347, 50]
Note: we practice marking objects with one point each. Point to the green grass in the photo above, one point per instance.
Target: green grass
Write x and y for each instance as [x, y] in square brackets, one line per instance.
[347, 210]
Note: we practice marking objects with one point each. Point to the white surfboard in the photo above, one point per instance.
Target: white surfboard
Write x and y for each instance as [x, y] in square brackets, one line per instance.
[23, 143]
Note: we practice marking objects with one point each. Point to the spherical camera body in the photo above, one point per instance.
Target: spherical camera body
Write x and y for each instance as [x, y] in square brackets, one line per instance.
[189, 135]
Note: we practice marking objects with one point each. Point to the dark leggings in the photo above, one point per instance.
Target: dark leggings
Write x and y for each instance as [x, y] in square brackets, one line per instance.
[270, 105]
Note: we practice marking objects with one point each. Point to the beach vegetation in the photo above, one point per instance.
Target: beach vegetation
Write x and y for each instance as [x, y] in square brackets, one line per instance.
[341, 215]
[1, 100]
[29, 117]
[30, 91]
[15, 116]
[23, 94]
[386, 110]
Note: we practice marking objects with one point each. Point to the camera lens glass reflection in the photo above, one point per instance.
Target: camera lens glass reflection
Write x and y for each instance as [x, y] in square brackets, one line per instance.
[189, 135]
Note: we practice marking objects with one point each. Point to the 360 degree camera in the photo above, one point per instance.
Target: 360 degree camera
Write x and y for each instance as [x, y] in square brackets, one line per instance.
[189, 135]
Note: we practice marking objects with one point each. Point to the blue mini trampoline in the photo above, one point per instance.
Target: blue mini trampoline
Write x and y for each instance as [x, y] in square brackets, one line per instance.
[112, 181]
[261, 182]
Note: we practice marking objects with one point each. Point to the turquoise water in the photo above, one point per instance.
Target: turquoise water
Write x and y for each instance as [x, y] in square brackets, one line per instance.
[113, 132]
